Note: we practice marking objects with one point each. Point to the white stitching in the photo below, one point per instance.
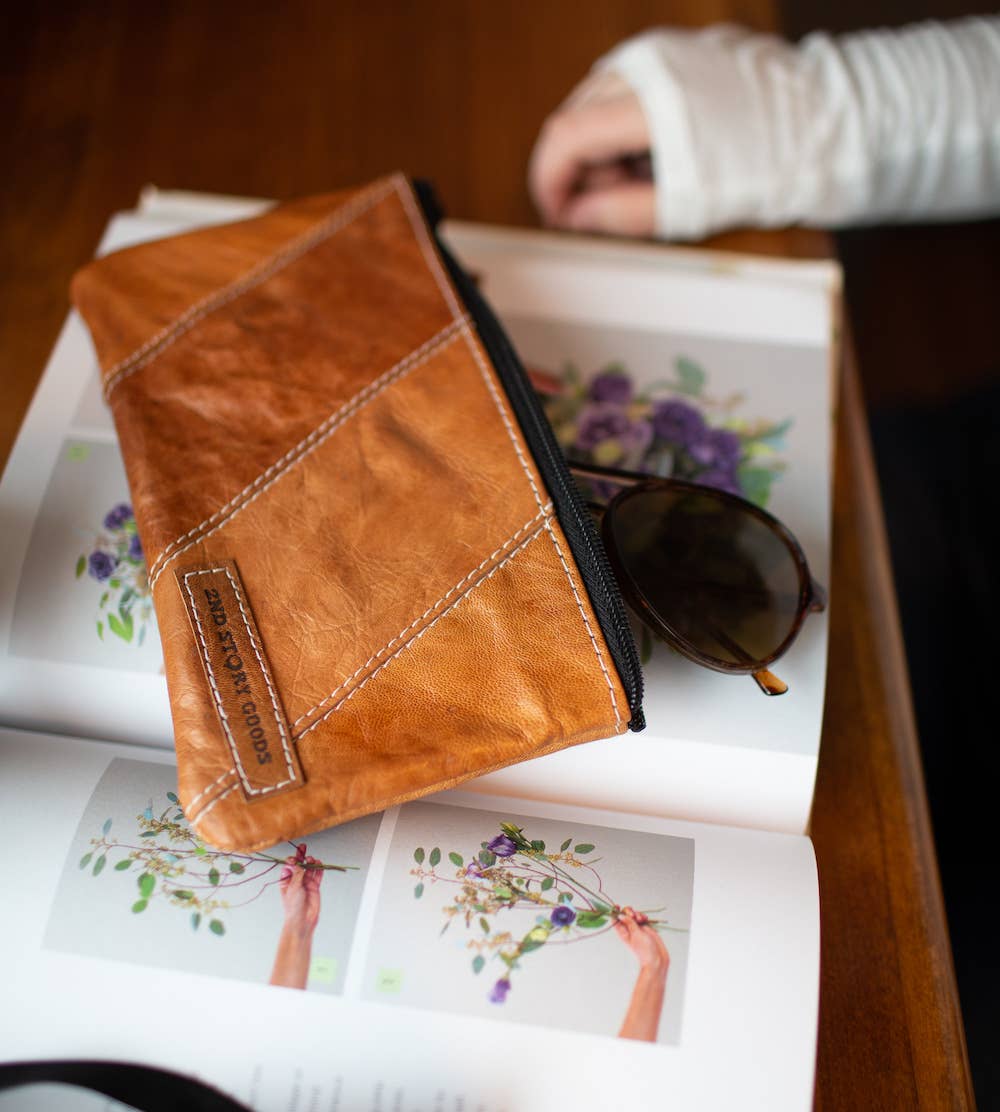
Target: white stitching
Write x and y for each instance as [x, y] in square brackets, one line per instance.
[444, 286]
[289, 764]
[430, 625]
[317, 437]
[268, 266]
[206, 790]
[586, 621]
[218, 799]
[416, 621]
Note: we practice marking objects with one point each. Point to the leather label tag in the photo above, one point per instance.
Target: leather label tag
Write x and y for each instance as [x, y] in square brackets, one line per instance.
[239, 679]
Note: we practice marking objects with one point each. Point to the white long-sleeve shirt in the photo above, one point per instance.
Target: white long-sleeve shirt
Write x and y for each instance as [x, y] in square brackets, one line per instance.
[883, 125]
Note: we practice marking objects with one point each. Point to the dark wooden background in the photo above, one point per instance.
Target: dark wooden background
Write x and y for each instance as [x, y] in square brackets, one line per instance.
[278, 100]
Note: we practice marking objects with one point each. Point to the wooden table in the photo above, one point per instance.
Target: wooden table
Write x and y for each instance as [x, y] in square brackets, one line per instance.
[277, 101]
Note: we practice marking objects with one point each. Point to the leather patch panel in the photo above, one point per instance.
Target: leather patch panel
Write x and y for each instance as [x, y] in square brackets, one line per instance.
[243, 692]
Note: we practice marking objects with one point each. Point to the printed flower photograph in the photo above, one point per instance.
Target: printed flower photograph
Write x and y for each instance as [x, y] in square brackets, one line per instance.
[83, 596]
[115, 561]
[139, 885]
[531, 920]
[674, 427]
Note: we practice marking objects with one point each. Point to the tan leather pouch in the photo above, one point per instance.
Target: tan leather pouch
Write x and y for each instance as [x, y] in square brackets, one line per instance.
[372, 575]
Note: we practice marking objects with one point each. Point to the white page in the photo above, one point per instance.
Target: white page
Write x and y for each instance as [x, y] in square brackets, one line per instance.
[394, 1016]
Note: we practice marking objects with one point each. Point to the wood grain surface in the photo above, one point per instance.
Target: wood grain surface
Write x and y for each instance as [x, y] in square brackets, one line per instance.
[282, 100]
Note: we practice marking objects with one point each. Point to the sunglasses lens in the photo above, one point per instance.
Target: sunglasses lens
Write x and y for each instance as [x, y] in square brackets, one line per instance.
[714, 573]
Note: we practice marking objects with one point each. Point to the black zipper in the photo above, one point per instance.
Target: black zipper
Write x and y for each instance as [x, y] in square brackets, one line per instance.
[574, 517]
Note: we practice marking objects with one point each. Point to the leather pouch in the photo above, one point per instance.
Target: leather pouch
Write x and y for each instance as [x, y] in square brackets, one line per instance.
[372, 575]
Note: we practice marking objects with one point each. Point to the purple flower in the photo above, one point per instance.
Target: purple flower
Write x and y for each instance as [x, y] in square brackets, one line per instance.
[720, 479]
[116, 517]
[611, 386]
[562, 915]
[502, 846]
[718, 448]
[600, 421]
[678, 422]
[473, 869]
[498, 993]
[101, 565]
[135, 548]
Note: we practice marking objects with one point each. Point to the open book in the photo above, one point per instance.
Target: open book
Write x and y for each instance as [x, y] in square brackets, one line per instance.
[603, 925]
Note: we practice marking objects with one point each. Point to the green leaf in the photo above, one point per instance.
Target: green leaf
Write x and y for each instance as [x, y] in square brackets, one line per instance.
[100, 630]
[435, 857]
[418, 891]
[565, 897]
[547, 883]
[529, 944]
[565, 846]
[755, 482]
[125, 863]
[213, 876]
[195, 920]
[182, 894]
[148, 834]
[216, 927]
[487, 858]
[172, 797]
[236, 867]
[690, 377]
[106, 828]
[583, 847]
[200, 850]
[139, 905]
[123, 629]
[456, 859]
[146, 882]
[538, 847]
[589, 920]
[99, 864]
[85, 860]
[418, 855]
[484, 923]
[114, 584]
[501, 891]
[81, 566]
[477, 963]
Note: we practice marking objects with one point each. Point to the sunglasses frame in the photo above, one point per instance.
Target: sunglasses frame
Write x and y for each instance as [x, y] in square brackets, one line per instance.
[812, 597]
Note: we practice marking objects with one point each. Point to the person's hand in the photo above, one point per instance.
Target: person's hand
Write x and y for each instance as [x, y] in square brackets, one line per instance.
[633, 928]
[299, 884]
[590, 168]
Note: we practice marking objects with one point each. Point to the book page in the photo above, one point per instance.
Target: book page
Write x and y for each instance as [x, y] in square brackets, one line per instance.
[707, 367]
[462, 952]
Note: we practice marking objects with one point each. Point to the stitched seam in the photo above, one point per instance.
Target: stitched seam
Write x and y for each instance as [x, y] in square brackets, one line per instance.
[206, 790]
[315, 439]
[218, 799]
[444, 286]
[586, 622]
[416, 621]
[267, 267]
[218, 697]
[430, 625]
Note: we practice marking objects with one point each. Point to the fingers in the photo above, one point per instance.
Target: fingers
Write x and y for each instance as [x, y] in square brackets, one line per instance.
[313, 873]
[573, 140]
[628, 209]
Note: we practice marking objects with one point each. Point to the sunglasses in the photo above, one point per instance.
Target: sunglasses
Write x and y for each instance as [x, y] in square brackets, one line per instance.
[719, 579]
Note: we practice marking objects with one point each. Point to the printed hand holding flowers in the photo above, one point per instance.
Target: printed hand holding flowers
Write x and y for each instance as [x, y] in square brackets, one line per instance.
[172, 862]
[512, 876]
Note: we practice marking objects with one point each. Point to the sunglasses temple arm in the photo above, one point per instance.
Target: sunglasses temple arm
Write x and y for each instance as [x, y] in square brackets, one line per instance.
[767, 681]
[817, 597]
